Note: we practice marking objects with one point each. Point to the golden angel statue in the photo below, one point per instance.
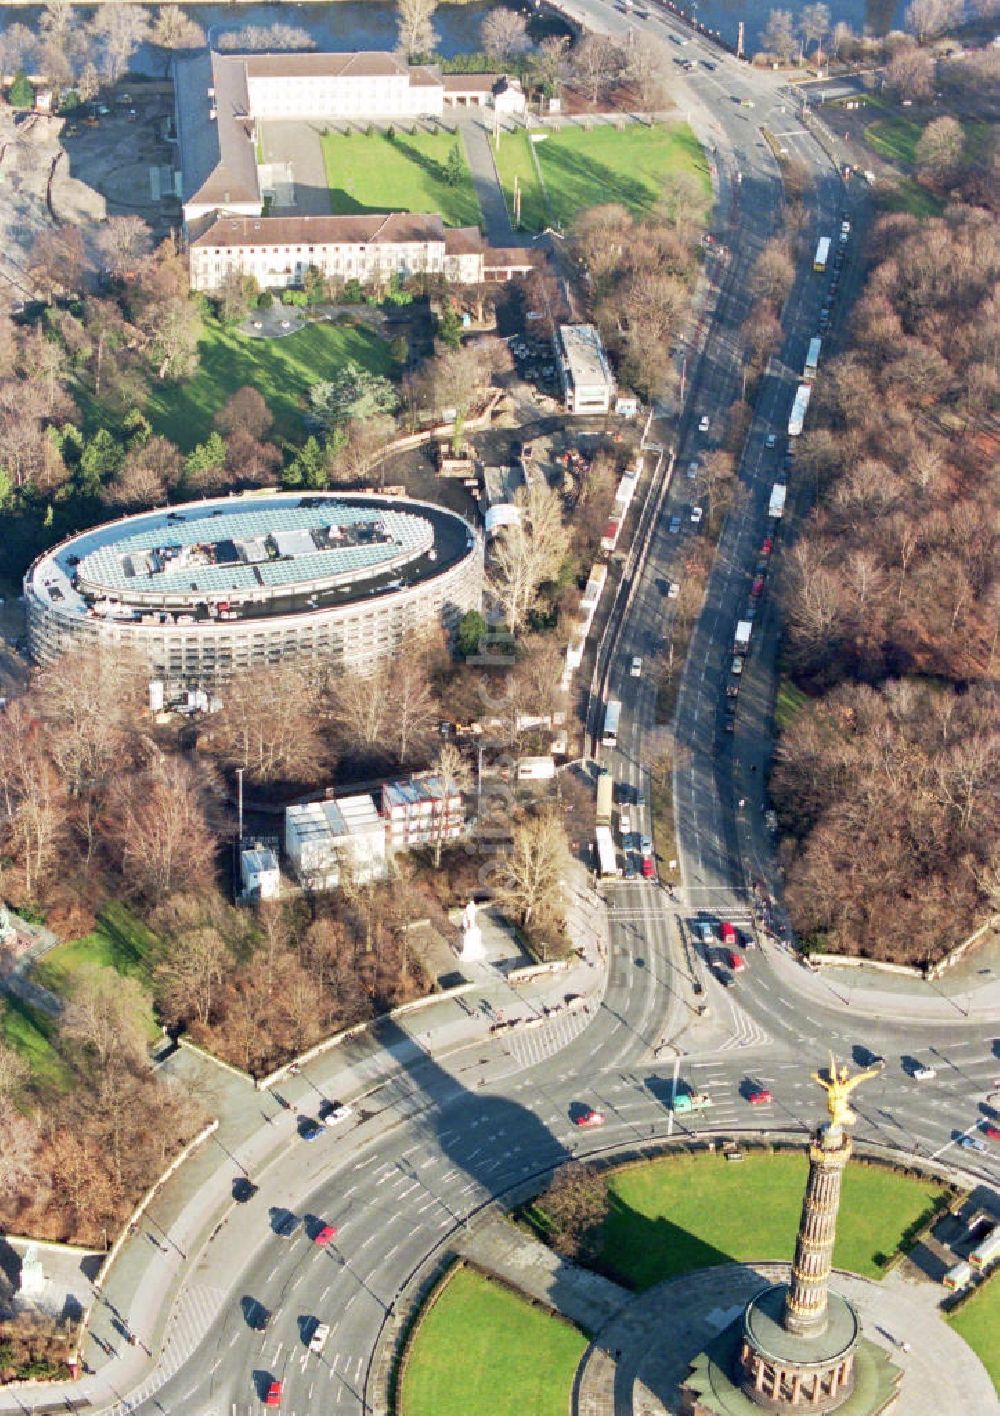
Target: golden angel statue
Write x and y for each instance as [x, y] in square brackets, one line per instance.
[838, 1086]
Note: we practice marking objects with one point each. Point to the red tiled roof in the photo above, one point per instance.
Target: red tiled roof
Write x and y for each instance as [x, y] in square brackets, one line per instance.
[392, 228]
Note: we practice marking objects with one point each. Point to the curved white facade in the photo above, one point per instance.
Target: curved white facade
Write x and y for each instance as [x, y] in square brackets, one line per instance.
[208, 589]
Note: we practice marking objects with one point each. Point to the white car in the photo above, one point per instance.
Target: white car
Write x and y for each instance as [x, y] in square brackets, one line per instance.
[336, 1112]
[924, 1074]
[319, 1337]
[696, 514]
[737, 665]
[636, 669]
[625, 823]
[703, 423]
[693, 469]
[674, 590]
[771, 440]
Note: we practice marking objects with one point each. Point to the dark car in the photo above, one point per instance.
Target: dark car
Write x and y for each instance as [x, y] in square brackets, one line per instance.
[310, 1129]
[285, 1224]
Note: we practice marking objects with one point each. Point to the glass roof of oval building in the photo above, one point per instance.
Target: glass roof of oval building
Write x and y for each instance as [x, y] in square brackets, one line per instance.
[214, 551]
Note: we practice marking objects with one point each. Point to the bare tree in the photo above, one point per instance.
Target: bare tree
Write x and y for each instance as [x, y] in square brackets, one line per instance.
[413, 706]
[269, 725]
[148, 473]
[774, 272]
[939, 149]
[105, 1016]
[503, 34]
[779, 35]
[814, 24]
[159, 831]
[123, 240]
[927, 18]
[190, 975]
[910, 73]
[267, 37]
[594, 61]
[575, 1207]
[246, 409]
[531, 873]
[32, 801]
[118, 31]
[359, 710]
[17, 48]
[528, 552]
[18, 1145]
[416, 32]
[647, 69]
[174, 30]
[456, 776]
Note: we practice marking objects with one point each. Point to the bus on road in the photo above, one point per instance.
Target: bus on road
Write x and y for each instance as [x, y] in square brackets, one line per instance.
[812, 359]
[613, 712]
[822, 253]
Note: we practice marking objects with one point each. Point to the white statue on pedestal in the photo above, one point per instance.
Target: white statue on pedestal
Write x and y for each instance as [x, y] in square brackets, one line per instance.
[472, 936]
[32, 1283]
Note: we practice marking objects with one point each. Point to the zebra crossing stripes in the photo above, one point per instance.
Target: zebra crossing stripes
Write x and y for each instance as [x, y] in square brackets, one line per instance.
[539, 1043]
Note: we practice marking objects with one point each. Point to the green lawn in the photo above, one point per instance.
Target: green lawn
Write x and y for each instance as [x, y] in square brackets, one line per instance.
[905, 194]
[978, 1321]
[118, 941]
[789, 703]
[896, 139]
[482, 1351]
[513, 160]
[402, 173]
[582, 168]
[281, 369]
[29, 1033]
[678, 1214]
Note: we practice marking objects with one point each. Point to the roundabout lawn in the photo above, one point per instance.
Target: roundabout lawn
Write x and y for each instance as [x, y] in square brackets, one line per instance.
[482, 1351]
[674, 1215]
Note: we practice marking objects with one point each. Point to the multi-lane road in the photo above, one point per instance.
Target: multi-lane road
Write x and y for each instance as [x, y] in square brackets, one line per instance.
[437, 1141]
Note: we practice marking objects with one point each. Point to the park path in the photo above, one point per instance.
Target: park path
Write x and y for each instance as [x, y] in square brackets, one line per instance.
[496, 221]
[523, 1262]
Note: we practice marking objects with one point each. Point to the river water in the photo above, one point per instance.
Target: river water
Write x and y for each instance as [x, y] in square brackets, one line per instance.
[371, 24]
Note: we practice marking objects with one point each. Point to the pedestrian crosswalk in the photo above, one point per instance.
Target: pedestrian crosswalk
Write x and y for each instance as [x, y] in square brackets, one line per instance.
[539, 1042]
[197, 1308]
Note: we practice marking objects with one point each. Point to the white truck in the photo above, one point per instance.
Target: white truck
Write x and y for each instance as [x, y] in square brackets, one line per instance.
[741, 639]
[776, 506]
[798, 414]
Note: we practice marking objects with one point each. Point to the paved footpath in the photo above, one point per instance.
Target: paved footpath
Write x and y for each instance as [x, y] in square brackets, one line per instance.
[640, 1357]
[170, 1253]
[525, 1263]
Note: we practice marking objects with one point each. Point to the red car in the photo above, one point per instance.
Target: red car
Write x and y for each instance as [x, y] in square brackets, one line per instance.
[325, 1234]
[728, 935]
[273, 1397]
[589, 1117]
[760, 1096]
[736, 961]
[767, 547]
[648, 868]
[991, 1132]
[757, 589]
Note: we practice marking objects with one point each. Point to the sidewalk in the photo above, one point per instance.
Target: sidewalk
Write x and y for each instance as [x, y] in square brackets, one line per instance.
[167, 1279]
[874, 994]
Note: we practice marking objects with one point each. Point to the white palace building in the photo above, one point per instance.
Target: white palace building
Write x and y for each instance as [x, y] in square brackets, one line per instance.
[221, 99]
